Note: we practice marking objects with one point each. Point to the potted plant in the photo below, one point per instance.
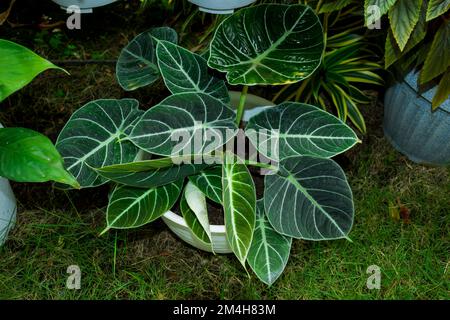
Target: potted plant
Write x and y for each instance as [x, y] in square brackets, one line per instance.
[25, 155]
[221, 6]
[417, 108]
[186, 149]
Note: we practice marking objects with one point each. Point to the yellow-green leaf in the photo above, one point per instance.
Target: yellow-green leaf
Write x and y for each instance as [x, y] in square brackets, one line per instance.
[443, 91]
[403, 17]
[437, 8]
[438, 58]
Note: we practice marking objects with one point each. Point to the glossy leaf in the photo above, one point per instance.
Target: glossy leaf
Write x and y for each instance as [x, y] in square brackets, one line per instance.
[300, 129]
[94, 137]
[403, 17]
[288, 49]
[133, 207]
[437, 8]
[18, 66]
[193, 223]
[239, 202]
[198, 120]
[309, 198]
[28, 156]
[185, 71]
[209, 181]
[196, 201]
[438, 58]
[269, 252]
[137, 65]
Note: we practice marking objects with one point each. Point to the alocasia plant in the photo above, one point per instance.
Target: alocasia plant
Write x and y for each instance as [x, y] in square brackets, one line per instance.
[152, 157]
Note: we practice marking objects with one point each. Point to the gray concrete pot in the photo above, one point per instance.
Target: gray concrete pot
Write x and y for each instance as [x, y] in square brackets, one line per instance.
[412, 127]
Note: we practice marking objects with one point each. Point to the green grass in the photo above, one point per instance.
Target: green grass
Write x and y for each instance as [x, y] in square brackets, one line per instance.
[151, 263]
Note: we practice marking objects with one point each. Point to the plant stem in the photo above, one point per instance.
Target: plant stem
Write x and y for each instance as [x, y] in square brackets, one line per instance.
[240, 108]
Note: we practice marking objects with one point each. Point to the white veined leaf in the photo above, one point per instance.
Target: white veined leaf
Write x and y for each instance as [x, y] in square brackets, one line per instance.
[197, 203]
[209, 181]
[137, 65]
[309, 198]
[193, 223]
[269, 252]
[94, 137]
[133, 207]
[239, 203]
[292, 128]
[200, 121]
[268, 44]
[185, 71]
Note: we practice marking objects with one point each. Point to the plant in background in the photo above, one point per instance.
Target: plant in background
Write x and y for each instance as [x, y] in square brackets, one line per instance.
[26, 155]
[307, 196]
[348, 65]
[419, 37]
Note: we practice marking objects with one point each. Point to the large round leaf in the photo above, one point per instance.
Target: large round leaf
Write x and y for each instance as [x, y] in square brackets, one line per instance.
[185, 71]
[269, 252]
[291, 129]
[133, 207]
[28, 156]
[137, 65]
[93, 137]
[309, 198]
[268, 44]
[197, 119]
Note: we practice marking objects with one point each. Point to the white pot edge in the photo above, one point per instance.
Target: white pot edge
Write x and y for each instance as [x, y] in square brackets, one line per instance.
[220, 7]
[8, 208]
[178, 225]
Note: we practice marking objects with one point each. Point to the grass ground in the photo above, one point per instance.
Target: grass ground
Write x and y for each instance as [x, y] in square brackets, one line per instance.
[56, 229]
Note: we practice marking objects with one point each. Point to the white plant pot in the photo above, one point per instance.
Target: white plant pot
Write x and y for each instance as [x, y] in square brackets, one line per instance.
[177, 224]
[221, 6]
[85, 6]
[8, 208]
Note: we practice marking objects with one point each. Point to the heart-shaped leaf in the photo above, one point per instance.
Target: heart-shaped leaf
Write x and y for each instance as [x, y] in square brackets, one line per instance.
[209, 181]
[299, 129]
[309, 198]
[196, 201]
[185, 71]
[268, 44]
[269, 252]
[199, 120]
[28, 156]
[93, 137]
[133, 207]
[18, 66]
[193, 222]
[137, 65]
[239, 203]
